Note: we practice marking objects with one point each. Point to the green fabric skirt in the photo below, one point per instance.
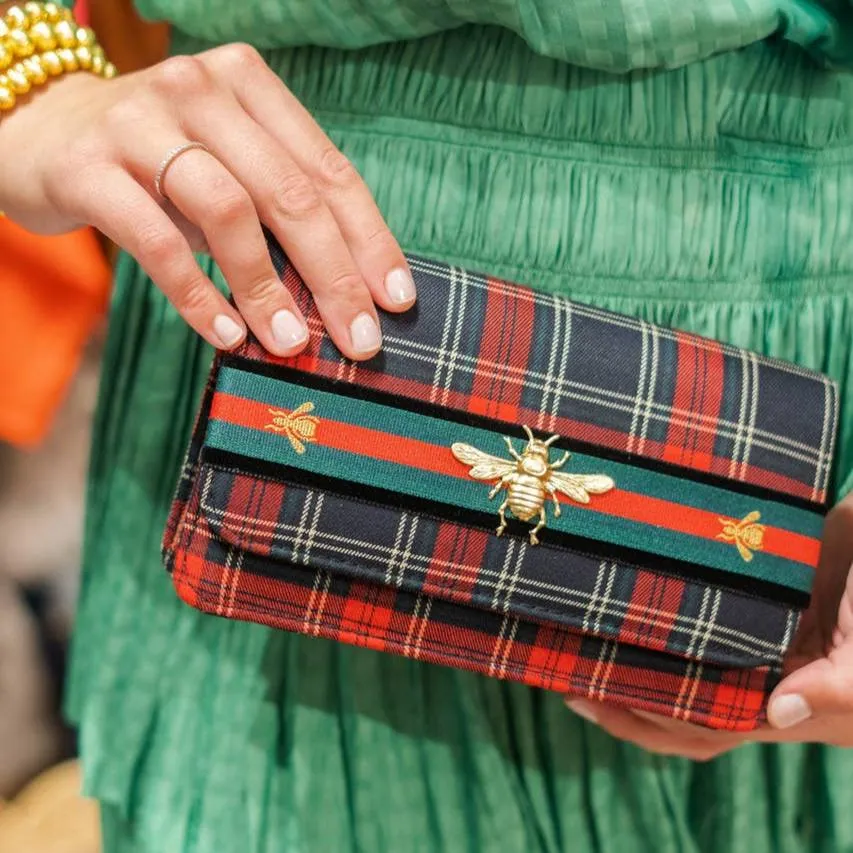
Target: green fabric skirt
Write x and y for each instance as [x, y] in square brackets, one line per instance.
[715, 198]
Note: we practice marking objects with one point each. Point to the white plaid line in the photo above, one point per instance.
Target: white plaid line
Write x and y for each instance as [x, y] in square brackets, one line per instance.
[504, 573]
[549, 374]
[424, 621]
[343, 370]
[673, 414]
[300, 529]
[701, 621]
[312, 529]
[412, 620]
[592, 600]
[453, 354]
[513, 580]
[749, 437]
[560, 341]
[234, 582]
[793, 623]
[353, 370]
[206, 483]
[437, 355]
[317, 605]
[564, 365]
[508, 644]
[601, 608]
[698, 642]
[744, 403]
[649, 403]
[417, 625]
[447, 355]
[689, 685]
[701, 653]
[613, 400]
[407, 553]
[367, 551]
[503, 645]
[603, 670]
[827, 439]
[322, 579]
[392, 554]
[641, 386]
[228, 586]
[319, 578]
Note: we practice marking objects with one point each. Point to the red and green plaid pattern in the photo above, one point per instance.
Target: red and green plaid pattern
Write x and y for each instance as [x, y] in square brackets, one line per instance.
[337, 546]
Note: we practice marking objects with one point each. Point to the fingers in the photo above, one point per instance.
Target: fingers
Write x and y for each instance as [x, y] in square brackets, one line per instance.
[815, 701]
[827, 614]
[655, 734]
[274, 108]
[128, 215]
[226, 215]
[288, 202]
[823, 688]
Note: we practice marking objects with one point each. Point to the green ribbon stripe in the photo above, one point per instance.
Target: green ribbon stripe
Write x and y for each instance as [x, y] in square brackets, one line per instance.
[470, 494]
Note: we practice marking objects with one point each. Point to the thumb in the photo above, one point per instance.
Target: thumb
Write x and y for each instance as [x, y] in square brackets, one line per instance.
[821, 688]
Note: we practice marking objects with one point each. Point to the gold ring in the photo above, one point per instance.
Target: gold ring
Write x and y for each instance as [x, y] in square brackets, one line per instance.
[170, 158]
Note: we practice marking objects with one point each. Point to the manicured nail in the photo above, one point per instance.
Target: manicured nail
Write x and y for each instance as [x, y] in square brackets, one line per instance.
[229, 332]
[787, 711]
[287, 330]
[583, 709]
[365, 334]
[400, 287]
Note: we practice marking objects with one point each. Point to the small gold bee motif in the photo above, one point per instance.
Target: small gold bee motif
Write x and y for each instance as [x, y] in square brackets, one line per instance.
[746, 534]
[530, 479]
[298, 425]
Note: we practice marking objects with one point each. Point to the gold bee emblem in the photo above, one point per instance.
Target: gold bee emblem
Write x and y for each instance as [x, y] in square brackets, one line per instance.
[746, 534]
[530, 479]
[299, 426]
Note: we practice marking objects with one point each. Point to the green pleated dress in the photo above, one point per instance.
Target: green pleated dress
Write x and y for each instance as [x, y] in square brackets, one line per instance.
[716, 197]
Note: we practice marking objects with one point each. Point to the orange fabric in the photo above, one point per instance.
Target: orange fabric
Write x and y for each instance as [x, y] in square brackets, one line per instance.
[53, 292]
[128, 41]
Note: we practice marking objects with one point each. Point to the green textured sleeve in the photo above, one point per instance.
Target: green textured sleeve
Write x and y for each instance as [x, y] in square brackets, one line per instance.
[617, 36]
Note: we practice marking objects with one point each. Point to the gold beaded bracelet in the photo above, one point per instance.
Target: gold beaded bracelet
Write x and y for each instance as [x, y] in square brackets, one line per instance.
[39, 41]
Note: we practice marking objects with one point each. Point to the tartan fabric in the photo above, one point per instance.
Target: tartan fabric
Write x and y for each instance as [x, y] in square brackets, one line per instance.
[270, 547]
[229, 581]
[480, 345]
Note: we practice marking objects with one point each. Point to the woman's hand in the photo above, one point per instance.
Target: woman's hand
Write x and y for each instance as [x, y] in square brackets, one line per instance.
[814, 703]
[86, 151]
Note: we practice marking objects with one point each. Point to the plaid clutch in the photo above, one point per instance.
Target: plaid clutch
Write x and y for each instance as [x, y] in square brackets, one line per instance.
[660, 497]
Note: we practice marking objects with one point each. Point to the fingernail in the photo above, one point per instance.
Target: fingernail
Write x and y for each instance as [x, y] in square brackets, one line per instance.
[229, 332]
[400, 286]
[583, 709]
[787, 711]
[365, 334]
[287, 330]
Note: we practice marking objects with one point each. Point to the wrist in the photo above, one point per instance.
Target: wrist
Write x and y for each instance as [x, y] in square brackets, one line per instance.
[36, 136]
